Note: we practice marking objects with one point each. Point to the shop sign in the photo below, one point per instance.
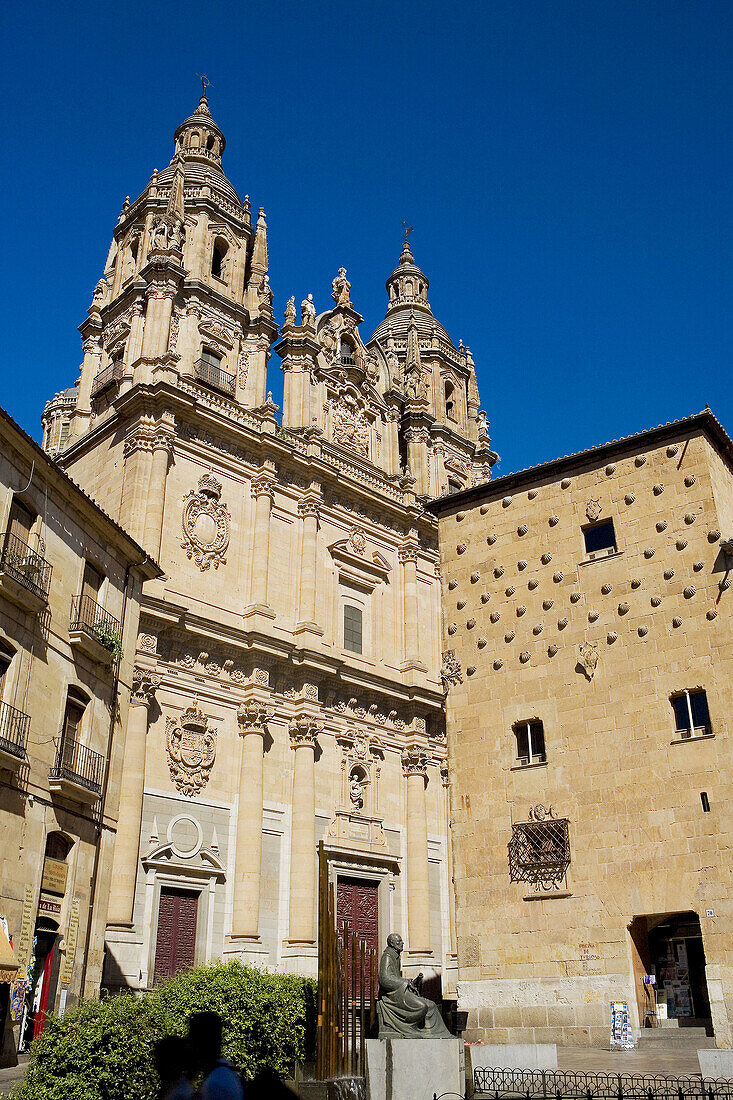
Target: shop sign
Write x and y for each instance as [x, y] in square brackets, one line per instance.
[68, 968]
[25, 938]
[54, 875]
[50, 906]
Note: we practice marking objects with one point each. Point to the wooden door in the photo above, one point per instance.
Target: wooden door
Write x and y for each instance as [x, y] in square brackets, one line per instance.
[357, 902]
[175, 947]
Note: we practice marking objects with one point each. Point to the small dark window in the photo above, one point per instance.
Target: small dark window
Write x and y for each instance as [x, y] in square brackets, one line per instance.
[352, 628]
[210, 142]
[73, 716]
[600, 539]
[692, 717]
[21, 522]
[347, 353]
[450, 409]
[530, 738]
[218, 267]
[705, 802]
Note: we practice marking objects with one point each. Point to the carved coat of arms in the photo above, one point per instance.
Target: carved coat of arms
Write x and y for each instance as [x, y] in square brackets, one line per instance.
[350, 427]
[191, 748]
[206, 524]
[588, 658]
[593, 509]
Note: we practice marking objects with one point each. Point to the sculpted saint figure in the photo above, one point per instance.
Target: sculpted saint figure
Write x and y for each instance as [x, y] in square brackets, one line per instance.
[307, 311]
[402, 1012]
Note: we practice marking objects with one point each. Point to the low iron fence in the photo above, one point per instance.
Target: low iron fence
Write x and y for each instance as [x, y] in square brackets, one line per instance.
[556, 1085]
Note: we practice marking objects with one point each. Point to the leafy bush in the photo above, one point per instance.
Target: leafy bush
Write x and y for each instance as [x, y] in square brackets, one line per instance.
[103, 1050]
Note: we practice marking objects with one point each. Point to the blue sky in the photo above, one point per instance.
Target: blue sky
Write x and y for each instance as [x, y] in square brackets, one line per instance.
[566, 166]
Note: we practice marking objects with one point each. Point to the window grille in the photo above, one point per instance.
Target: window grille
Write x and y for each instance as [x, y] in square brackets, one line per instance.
[539, 852]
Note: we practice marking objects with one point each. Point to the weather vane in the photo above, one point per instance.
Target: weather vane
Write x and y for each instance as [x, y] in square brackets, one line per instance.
[205, 83]
[408, 229]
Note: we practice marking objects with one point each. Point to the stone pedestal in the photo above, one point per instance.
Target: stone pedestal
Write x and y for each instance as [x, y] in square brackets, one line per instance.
[416, 1068]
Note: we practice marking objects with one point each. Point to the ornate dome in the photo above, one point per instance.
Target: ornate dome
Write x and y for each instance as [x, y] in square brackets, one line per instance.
[199, 146]
[407, 287]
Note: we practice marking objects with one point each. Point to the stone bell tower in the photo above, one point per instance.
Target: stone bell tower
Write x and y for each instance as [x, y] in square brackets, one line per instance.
[184, 300]
[444, 437]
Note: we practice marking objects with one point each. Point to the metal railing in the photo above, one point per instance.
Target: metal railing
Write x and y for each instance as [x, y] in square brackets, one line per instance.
[107, 377]
[79, 764]
[556, 1085]
[25, 566]
[88, 615]
[209, 373]
[14, 725]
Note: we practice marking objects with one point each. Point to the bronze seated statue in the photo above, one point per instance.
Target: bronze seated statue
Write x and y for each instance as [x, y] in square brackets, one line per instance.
[402, 1012]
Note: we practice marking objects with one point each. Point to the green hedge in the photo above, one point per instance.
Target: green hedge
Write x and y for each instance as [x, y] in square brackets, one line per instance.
[103, 1050]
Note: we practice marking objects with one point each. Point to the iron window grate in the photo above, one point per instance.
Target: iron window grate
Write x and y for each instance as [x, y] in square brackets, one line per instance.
[539, 852]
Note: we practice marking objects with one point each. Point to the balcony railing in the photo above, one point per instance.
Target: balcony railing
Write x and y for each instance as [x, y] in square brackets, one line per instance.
[14, 725]
[214, 376]
[79, 766]
[25, 566]
[89, 616]
[107, 377]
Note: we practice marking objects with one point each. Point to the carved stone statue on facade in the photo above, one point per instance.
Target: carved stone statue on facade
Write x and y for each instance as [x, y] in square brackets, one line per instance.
[402, 1012]
[341, 289]
[265, 292]
[307, 312]
[290, 311]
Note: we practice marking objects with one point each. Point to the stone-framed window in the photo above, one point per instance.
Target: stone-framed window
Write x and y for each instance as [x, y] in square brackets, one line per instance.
[691, 714]
[600, 539]
[529, 739]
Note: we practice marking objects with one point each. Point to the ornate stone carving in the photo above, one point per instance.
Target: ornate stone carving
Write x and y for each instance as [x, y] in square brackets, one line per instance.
[308, 312]
[350, 426]
[593, 509]
[450, 672]
[341, 289]
[205, 523]
[357, 540]
[290, 311]
[144, 685]
[191, 748]
[252, 716]
[588, 658]
[304, 729]
[414, 760]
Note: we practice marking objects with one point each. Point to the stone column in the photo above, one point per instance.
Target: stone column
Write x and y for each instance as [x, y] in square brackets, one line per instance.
[92, 346]
[417, 458]
[308, 510]
[252, 717]
[414, 766]
[162, 447]
[157, 322]
[263, 493]
[393, 441]
[127, 844]
[304, 730]
[445, 778]
[408, 560]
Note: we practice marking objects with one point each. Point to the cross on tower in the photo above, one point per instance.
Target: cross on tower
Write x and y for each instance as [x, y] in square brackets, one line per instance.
[205, 83]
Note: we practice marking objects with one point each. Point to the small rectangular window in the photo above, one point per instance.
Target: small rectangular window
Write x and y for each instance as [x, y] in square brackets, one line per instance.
[21, 522]
[352, 628]
[692, 717]
[600, 539]
[530, 738]
[92, 582]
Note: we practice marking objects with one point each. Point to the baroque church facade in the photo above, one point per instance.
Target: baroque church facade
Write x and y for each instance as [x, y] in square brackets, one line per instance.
[288, 686]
